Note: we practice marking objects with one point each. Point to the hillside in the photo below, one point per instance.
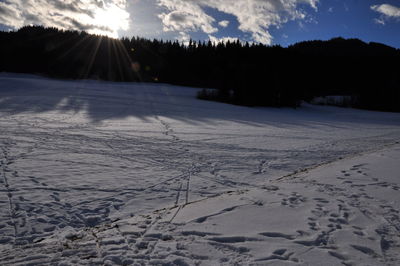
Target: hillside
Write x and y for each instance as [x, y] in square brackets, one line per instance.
[244, 74]
[96, 172]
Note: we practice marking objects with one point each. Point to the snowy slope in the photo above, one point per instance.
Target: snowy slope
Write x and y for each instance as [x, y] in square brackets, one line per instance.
[89, 169]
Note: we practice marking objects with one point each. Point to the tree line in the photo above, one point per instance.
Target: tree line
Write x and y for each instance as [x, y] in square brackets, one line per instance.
[242, 73]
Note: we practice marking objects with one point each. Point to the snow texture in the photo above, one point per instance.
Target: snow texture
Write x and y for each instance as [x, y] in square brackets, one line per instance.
[100, 173]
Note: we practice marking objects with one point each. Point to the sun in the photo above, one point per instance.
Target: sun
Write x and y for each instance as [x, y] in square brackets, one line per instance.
[109, 20]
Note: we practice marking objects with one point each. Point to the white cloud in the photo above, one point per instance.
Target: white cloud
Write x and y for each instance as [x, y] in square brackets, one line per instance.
[379, 21]
[223, 23]
[214, 39]
[184, 38]
[185, 16]
[179, 17]
[387, 12]
[94, 16]
[254, 16]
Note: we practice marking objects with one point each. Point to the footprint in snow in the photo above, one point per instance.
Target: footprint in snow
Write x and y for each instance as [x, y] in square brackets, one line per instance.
[365, 250]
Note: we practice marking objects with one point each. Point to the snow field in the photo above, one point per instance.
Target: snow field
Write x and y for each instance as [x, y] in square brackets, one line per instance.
[119, 173]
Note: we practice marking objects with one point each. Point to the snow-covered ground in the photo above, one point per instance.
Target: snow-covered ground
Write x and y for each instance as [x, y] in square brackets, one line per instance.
[120, 173]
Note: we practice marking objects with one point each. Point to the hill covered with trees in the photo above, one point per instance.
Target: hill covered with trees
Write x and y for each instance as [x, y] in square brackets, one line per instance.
[242, 73]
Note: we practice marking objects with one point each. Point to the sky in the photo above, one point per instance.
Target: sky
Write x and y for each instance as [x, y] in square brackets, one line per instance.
[270, 22]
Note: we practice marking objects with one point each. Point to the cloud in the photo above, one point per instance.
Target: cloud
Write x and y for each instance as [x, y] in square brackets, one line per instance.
[214, 39]
[184, 38]
[105, 17]
[179, 18]
[254, 16]
[223, 23]
[387, 12]
[379, 21]
[9, 14]
[183, 16]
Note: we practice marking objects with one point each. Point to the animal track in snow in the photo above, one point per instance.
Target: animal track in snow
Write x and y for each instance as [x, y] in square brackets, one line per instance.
[293, 200]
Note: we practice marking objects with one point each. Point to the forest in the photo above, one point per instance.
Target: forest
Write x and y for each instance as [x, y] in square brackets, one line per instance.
[247, 74]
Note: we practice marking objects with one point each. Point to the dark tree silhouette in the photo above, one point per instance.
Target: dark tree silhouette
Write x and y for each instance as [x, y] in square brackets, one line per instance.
[242, 73]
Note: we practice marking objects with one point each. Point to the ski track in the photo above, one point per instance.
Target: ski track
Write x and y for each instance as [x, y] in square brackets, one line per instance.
[117, 179]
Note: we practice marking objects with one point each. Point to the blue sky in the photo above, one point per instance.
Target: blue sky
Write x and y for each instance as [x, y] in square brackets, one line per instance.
[267, 21]
[349, 19]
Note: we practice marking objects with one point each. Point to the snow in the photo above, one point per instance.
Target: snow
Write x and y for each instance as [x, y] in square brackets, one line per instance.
[122, 173]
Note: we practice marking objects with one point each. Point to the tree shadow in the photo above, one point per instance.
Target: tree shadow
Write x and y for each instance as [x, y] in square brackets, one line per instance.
[100, 101]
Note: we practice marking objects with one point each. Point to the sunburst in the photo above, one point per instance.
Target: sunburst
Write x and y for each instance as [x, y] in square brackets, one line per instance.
[109, 20]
